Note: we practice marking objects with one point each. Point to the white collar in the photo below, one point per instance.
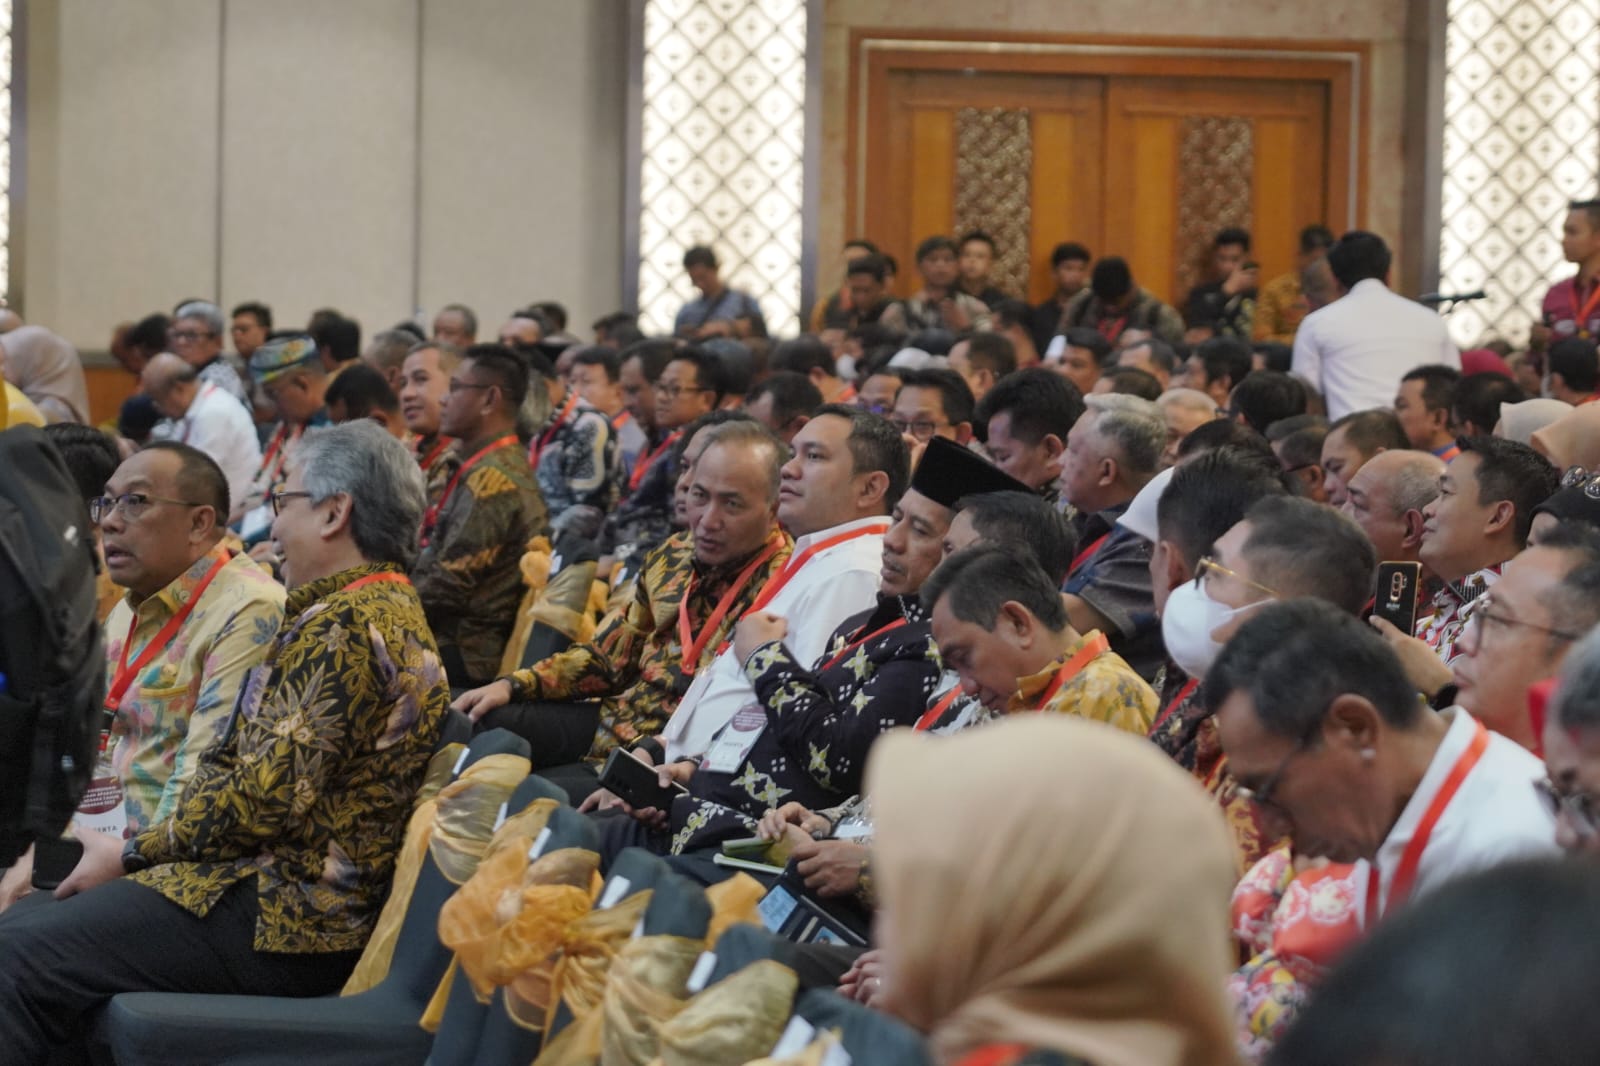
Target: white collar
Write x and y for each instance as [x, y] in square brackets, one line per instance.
[802, 543]
[1456, 740]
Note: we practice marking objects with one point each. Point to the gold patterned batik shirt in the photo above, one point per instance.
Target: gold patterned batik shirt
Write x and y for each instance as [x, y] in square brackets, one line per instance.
[309, 788]
[635, 661]
[1106, 690]
[439, 460]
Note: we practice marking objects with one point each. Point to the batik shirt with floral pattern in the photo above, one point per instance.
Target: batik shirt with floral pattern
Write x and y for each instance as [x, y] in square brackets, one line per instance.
[579, 471]
[1441, 628]
[439, 464]
[309, 788]
[635, 661]
[176, 705]
[821, 722]
[1105, 690]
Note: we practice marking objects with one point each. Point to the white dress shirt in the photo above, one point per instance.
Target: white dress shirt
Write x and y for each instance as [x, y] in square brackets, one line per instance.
[1496, 816]
[218, 425]
[833, 585]
[1356, 349]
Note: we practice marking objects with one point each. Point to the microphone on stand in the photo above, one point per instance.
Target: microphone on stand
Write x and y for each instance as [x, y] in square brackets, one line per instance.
[1434, 299]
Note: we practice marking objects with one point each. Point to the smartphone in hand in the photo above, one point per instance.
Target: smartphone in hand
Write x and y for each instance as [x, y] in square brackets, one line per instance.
[635, 783]
[1398, 590]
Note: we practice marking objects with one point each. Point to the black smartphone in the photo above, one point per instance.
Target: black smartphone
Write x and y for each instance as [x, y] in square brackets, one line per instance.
[53, 860]
[635, 783]
[1398, 585]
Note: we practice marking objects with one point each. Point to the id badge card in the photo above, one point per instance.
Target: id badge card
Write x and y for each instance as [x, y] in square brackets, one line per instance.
[732, 746]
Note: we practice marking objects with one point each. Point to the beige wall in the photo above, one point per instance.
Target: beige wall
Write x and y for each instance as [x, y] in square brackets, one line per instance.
[280, 150]
[1381, 24]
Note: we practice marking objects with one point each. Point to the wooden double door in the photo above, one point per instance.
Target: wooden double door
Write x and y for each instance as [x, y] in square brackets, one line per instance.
[1138, 163]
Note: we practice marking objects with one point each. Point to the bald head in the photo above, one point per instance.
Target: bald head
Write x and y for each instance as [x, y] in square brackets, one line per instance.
[171, 383]
[1386, 497]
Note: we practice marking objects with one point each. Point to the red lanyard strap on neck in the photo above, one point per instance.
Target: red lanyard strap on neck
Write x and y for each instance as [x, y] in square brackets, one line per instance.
[694, 646]
[433, 454]
[647, 460]
[536, 450]
[1177, 701]
[929, 720]
[1091, 650]
[431, 519]
[1087, 553]
[854, 644]
[376, 579]
[125, 673]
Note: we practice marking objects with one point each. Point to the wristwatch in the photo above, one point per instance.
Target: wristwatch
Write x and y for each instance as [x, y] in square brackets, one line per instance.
[132, 860]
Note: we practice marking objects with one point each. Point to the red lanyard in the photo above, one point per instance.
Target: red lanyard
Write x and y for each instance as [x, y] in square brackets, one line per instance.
[374, 579]
[125, 673]
[537, 449]
[1070, 669]
[650, 457]
[1405, 874]
[929, 720]
[847, 395]
[438, 449]
[692, 648]
[273, 449]
[854, 644]
[432, 517]
[1083, 556]
[621, 420]
[1177, 701]
[1588, 308]
[1115, 329]
[797, 562]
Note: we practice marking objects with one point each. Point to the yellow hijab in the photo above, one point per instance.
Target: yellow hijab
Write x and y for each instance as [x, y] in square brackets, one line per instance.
[1056, 883]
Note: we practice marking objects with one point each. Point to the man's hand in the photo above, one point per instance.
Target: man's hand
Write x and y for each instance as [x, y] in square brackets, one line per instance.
[17, 881]
[1538, 336]
[101, 862]
[1243, 279]
[480, 701]
[265, 554]
[756, 630]
[1422, 664]
[831, 867]
[776, 822]
[863, 982]
[955, 316]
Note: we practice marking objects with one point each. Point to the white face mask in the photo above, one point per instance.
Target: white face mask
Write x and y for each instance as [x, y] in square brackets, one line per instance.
[1187, 622]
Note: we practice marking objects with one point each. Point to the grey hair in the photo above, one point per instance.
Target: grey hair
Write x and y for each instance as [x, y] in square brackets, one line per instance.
[744, 435]
[1188, 399]
[389, 348]
[382, 479]
[1416, 483]
[209, 312]
[469, 318]
[1576, 704]
[1134, 425]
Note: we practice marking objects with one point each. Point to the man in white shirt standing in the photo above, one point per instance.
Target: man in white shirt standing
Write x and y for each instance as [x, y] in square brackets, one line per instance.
[1323, 730]
[203, 416]
[848, 471]
[1356, 349]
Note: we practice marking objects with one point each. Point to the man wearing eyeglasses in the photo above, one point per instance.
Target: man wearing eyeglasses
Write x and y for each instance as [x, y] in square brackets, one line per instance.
[933, 403]
[289, 372]
[196, 337]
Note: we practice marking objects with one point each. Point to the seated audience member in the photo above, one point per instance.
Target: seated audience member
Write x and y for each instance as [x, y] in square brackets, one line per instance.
[1571, 440]
[1297, 442]
[619, 330]
[933, 403]
[554, 315]
[268, 875]
[784, 402]
[1113, 303]
[386, 353]
[871, 301]
[47, 370]
[338, 338]
[425, 387]
[1351, 441]
[1128, 381]
[983, 359]
[1152, 355]
[1185, 410]
[1081, 355]
[195, 336]
[1227, 303]
[1572, 502]
[1320, 723]
[1025, 421]
[1547, 598]
[455, 325]
[1387, 498]
[289, 372]
[1479, 520]
[1516, 942]
[1069, 269]
[718, 311]
[1011, 322]
[1112, 451]
[940, 303]
[1355, 350]
[934, 341]
[1223, 433]
[525, 329]
[596, 375]
[573, 456]
[975, 259]
[738, 365]
[358, 392]
[203, 416]
[1477, 400]
[880, 387]
[1000, 624]
[1218, 365]
[1282, 304]
[1520, 421]
[835, 311]
[1423, 406]
[1093, 956]
[249, 326]
[1269, 356]
[810, 357]
[1573, 371]
[468, 574]
[1571, 741]
[1267, 397]
[697, 582]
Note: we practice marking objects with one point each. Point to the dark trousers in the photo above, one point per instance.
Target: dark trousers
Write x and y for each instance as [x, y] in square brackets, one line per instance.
[558, 733]
[61, 960]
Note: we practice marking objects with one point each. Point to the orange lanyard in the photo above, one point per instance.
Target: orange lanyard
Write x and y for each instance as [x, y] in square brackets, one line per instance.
[1072, 666]
[930, 719]
[854, 644]
[1177, 701]
[847, 395]
[537, 450]
[648, 458]
[692, 648]
[1083, 556]
[797, 562]
[374, 579]
[125, 673]
[1405, 874]
[273, 449]
[1589, 305]
[432, 456]
[432, 517]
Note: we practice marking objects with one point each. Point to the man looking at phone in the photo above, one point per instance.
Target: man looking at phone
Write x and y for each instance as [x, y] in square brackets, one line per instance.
[1227, 304]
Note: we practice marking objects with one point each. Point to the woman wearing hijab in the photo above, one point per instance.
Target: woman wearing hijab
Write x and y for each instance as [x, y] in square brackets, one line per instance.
[47, 369]
[1049, 885]
[1571, 440]
[1520, 421]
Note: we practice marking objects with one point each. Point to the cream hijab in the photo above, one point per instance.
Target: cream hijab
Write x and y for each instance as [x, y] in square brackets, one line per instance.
[1052, 882]
[1520, 421]
[1571, 440]
[47, 369]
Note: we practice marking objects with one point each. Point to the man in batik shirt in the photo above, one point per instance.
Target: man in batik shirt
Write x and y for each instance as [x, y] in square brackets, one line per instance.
[269, 875]
[574, 456]
[424, 387]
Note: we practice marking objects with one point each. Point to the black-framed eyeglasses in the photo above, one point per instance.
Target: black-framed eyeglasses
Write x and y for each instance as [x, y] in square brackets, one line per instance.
[1262, 794]
[1578, 806]
[277, 498]
[1487, 617]
[672, 392]
[133, 505]
[1577, 475]
[920, 430]
[188, 334]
